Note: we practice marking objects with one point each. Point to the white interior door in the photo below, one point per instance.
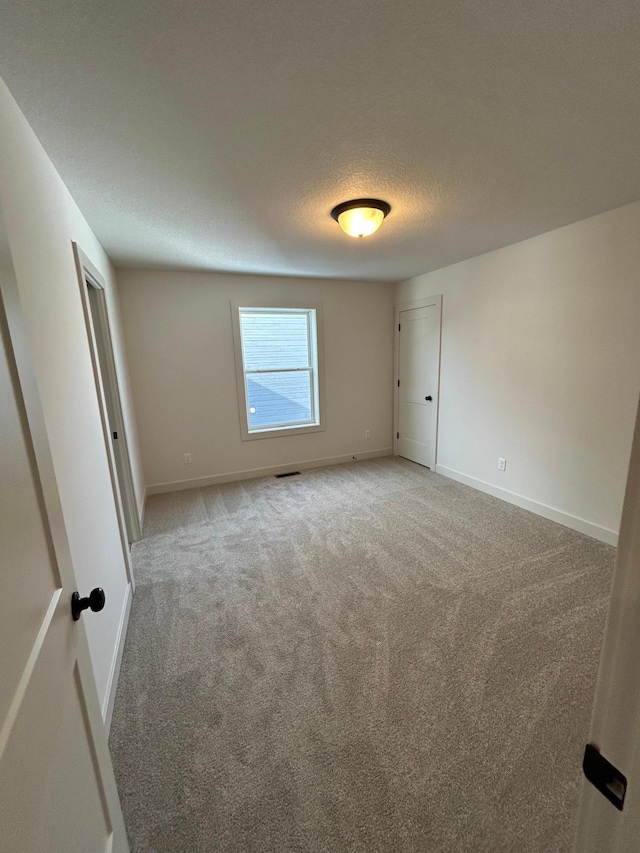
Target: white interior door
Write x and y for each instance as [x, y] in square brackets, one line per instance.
[57, 789]
[615, 721]
[418, 376]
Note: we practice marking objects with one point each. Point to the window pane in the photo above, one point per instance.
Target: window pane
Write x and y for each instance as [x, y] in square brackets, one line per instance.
[278, 398]
[271, 341]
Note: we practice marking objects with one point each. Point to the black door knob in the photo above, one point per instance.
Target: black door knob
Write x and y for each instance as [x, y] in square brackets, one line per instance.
[429, 397]
[94, 601]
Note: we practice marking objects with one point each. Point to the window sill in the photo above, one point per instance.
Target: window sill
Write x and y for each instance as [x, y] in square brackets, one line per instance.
[279, 432]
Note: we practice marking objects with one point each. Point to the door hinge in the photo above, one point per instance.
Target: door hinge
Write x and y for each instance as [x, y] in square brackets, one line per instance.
[399, 326]
[604, 776]
[397, 435]
[398, 383]
[115, 435]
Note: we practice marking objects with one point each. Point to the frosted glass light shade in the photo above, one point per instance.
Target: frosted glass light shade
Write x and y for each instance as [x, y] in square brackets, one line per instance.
[360, 221]
[360, 217]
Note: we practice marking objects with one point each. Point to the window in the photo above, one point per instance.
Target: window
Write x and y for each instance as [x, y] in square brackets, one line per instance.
[279, 381]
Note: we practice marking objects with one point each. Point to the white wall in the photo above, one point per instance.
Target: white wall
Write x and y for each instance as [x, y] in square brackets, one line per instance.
[541, 365]
[181, 361]
[41, 220]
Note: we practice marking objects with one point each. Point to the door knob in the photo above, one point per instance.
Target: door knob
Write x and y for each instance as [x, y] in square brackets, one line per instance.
[94, 601]
[429, 397]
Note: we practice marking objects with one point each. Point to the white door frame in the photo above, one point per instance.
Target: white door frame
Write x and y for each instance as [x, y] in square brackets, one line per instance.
[123, 493]
[47, 486]
[425, 302]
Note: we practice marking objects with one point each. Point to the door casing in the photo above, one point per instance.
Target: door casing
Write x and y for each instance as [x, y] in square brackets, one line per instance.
[123, 490]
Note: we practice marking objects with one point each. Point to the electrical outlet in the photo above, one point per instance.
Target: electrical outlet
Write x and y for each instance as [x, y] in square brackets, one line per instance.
[367, 433]
[502, 464]
[187, 459]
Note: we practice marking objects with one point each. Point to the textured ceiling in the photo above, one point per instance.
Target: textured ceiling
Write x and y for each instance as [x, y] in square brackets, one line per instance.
[219, 135]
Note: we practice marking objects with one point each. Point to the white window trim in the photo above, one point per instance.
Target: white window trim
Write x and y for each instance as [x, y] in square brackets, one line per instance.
[317, 374]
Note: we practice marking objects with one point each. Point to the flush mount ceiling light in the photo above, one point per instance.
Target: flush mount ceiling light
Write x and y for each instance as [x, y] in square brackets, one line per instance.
[360, 217]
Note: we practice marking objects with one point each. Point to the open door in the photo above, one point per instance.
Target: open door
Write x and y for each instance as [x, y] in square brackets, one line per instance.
[609, 817]
[57, 788]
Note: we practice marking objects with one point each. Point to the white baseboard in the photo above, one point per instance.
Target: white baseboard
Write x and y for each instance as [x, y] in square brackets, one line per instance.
[596, 531]
[112, 683]
[234, 476]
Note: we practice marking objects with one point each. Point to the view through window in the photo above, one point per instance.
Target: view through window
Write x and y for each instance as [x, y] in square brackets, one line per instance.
[279, 355]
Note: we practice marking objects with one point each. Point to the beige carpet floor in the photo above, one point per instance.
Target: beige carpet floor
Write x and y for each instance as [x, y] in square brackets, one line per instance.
[368, 657]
